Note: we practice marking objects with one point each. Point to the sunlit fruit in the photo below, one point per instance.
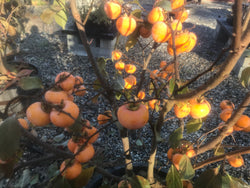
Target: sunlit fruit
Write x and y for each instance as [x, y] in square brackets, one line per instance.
[119, 65]
[236, 161]
[125, 25]
[153, 102]
[36, 114]
[182, 110]
[190, 153]
[160, 32]
[199, 109]
[133, 116]
[130, 81]
[175, 4]
[130, 68]
[72, 170]
[155, 15]
[116, 55]
[176, 25]
[141, 95]
[112, 9]
[181, 15]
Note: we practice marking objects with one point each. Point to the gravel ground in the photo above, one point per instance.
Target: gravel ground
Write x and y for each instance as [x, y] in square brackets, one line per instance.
[49, 54]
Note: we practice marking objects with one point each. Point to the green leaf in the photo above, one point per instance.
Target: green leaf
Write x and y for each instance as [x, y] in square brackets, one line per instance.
[136, 13]
[173, 178]
[238, 183]
[219, 151]
[118, 96]
[61, 18]
[10, 134]
[60, 182]
[151, 88]
[132, 40]
[165, 4]
[83, 178]
[245, 77]
[31, 82]
[193, 125]
[101, 63]
[171, 86]
[175, 138]
[186, 168]
[60, 3]
[134, 2]
[208, 178]
[48, 15]
[52, 170]
[183, 91]
[139, 182]
[96, 85]
[119, 82]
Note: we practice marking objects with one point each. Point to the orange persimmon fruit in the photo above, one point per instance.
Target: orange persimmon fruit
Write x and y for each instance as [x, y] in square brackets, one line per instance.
[175, 4]
[80, 91]
[199, 109]
[112, 9]
[236, 161]
[23, 123]
[67, 116]
[226, 114]
[116, 55]
[55, 96]
[71, 171]
[65, 80]
[133, 116]
[226, 104]
[86, 154]
[126, 25]
[160, 32]
[182, 109]
[176, 160]
[130, 68]
[36, 114]
[141, 95]
[243, 121]
[144, 32]
[155, 15]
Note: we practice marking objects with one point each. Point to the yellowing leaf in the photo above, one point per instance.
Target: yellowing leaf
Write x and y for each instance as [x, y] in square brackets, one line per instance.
[61, 18]
[48, 16]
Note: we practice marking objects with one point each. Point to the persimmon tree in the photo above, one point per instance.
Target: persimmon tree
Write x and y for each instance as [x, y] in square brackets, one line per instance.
[145, 98]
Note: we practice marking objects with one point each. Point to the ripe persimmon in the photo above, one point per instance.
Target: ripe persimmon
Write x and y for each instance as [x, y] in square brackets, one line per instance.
[80, 91]
[154, 74]
[71, 171]
[181, 15]
[55, 96]
[104, 118]
[190, 153]
[187, 184]
[141, 95]
[229, 131]
[180, 39]
[155, 15]
[176, 25]
[247, 129]
[152, 103]
[112, 9]
[116, 55]
[170, 153]
[226, 114]
[125, 25]
[243, 122]
[236, 161]
[199, 109]
[175, 4]
[130, 81]
[36, 115]
[160, 32]
[78, 81]
[176, 160]
[66, 117]
[182, 109]
[23, 123]
[119, 65]
[133, 116]
[236, 128]
[226, 104]
[163, 64]
[91, 131]
[72, 145]
[144, 32]
[130, 68]
[86, 154]
[65, 80]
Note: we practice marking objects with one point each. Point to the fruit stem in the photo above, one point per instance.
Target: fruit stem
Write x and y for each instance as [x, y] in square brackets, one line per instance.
[133, 106]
